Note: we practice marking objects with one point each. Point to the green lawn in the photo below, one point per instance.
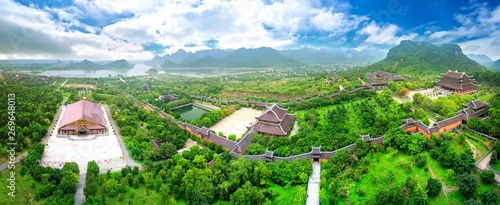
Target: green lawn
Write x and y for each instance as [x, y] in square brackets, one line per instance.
[489, 143]
[384, 170]
[26, 188]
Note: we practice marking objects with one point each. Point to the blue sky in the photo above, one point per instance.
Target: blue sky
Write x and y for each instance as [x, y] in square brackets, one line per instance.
[141, 29]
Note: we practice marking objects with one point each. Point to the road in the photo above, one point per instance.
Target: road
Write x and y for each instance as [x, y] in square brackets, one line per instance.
[313, 185]
[128, 159]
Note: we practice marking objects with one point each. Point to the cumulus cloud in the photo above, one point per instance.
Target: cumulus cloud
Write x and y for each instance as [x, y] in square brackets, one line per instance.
[478, 30]
[384, 34]
[172, 24]
[28, 32]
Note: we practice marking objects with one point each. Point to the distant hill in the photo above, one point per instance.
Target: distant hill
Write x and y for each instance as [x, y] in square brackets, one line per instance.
[118, 64]
[264, 57]
[410, 57]
[495, 66]
[258, 57]
[334, 56]
[85, 64]
[481, 59]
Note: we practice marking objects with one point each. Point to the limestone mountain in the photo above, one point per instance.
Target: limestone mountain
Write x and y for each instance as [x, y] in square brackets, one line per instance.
[481, 59]
[118, 64]
[411, 57]
[496, 66]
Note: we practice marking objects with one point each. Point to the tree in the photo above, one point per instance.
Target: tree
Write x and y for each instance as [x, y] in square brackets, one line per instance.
[360, 148]
[487, 176]
[71, 166]
[90, 189]
[426, 121]
[465, 163]
[200, 161]
[232, 137]
[406, 106]
[68, 183]
[433, 187]
[490, 197]
[467, 184]
[166, 150]
[404, 91]
[92, 168]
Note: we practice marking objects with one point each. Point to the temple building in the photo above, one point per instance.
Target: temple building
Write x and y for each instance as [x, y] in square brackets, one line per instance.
[83, 117]
[380, 76]
[476, 108]
[171, 97]
[275, 121]
[457, 82]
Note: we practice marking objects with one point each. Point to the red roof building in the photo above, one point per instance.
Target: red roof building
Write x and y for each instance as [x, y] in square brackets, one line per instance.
[457, 82]
[83, 117]
[275, 121]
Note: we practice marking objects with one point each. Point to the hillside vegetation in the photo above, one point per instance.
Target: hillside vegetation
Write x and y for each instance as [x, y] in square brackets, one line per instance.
[424, 58]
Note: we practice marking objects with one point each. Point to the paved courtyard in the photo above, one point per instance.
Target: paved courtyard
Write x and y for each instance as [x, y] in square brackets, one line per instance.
[430, 92]
[105, 150]
[235, 123]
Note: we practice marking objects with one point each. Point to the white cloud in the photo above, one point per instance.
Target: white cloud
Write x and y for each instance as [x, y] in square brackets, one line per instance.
[28, 31]
[384, 34]
[174, 23]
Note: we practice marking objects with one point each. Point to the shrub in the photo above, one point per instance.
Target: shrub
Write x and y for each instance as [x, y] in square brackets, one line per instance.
[433, 187]
[467, 184]
[472, 201]
[487, 176]
[490, 197]
[420, 161]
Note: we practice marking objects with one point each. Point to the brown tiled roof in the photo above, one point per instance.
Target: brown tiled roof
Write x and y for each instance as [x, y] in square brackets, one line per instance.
[221, 140]
[476, 104]
[94, 127]
[83, 109]
[280, 129]
[154, 144]
[316, 150]
[456, 75]
[273, 114]
[204, 131]
[449, 121]
[456, 86]
[70, 127]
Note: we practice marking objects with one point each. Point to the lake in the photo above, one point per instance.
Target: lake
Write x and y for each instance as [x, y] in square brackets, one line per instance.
[140, 69]
[190, 112]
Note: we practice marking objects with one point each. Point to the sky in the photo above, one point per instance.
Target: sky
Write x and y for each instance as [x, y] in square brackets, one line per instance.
[141, 29]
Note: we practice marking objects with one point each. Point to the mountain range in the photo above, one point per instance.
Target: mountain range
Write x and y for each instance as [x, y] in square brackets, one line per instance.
[412, 57]
[495, 66]
[263, 57]
[481, 59]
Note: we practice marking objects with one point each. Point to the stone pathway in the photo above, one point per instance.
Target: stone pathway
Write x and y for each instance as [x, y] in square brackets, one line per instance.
[190, 143]
[313, 185]
[397, 99]
[207, 105]
[473, 149]
[79, 196]
[295, 129]
[431, 120]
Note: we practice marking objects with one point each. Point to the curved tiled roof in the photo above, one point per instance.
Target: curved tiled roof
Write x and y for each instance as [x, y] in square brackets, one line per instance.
[83, 109]
[273, 114]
